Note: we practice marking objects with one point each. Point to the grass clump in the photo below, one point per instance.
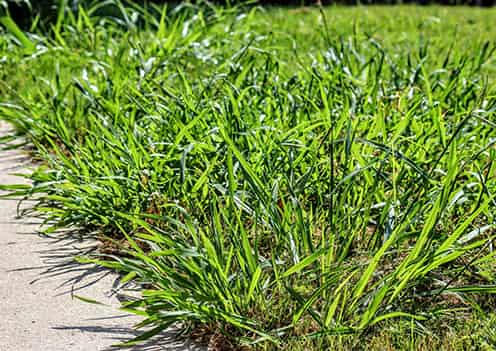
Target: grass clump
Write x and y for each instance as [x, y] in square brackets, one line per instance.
[268, 189]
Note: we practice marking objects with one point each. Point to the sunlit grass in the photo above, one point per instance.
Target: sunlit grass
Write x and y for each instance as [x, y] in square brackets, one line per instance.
[278, 182]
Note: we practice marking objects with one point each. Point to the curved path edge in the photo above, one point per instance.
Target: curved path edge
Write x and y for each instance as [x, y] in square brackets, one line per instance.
[37, 282]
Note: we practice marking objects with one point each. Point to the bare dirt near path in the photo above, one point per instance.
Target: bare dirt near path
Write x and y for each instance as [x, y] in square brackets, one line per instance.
[37, 279]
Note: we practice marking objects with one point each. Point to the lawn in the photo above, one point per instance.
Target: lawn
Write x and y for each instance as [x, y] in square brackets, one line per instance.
[271, 178]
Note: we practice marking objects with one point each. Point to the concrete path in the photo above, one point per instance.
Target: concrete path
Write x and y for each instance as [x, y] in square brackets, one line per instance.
[37, 278]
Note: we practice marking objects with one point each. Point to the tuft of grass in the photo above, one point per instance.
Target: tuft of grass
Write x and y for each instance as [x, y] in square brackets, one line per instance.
[278, 184]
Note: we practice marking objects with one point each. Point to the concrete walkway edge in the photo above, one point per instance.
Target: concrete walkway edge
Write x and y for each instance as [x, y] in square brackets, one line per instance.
[37, 276]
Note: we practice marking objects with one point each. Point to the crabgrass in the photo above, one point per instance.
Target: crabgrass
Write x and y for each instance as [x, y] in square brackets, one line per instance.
[274, 178]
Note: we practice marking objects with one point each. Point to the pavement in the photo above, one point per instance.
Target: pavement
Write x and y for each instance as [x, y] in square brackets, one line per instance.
[38, 279]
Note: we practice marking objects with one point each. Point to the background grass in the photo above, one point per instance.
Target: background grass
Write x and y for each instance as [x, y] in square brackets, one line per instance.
[280, 178]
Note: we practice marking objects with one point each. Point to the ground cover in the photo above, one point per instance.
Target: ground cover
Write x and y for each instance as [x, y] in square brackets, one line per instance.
[273, 178]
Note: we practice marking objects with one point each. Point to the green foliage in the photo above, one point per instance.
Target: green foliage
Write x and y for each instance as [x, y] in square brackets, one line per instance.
[11, 26]
[309, 179]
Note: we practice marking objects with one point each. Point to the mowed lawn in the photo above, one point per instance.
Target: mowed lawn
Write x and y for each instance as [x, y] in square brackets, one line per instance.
[271, 178]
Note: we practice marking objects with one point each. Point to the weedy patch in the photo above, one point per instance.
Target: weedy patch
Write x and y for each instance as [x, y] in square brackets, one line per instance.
[281, 183]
